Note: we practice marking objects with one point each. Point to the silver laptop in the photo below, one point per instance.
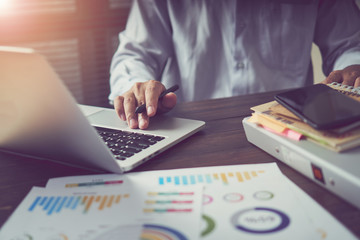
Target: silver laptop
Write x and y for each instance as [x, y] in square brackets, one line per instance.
[40, 118]
[337, 172]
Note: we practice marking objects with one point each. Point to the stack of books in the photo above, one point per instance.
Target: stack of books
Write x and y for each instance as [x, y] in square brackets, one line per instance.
[276, 118]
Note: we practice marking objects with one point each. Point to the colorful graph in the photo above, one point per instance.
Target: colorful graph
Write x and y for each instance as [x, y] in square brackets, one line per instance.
[157, 232]
[56, 204]
[233, 197]
[207, 199]
[169, 202]
[210, 178]
[260, 220]
[89, 184]
[167, 210]
[209, 225]
[263, 195]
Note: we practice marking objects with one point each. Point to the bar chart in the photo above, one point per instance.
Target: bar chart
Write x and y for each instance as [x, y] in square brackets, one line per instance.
[56, 204]
[89, 184]
[169, 202]
[210, 178]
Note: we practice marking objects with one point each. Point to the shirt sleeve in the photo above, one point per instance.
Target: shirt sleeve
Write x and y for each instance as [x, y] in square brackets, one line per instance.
[145, 46]
[337, 34]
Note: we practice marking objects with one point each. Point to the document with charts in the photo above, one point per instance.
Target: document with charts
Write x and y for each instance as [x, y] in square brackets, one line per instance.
[254, 201]
[106, 211]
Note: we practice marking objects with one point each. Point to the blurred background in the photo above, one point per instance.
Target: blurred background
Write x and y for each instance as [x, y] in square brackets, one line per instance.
[79, 38]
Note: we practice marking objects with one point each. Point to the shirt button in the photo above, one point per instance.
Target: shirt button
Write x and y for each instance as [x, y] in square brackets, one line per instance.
[240, 65]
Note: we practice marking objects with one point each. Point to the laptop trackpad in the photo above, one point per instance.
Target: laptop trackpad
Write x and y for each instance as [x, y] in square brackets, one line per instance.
[159, 125]
[107, 118]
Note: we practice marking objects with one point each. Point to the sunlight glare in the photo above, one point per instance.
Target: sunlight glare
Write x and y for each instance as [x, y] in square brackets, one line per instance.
[5, 5]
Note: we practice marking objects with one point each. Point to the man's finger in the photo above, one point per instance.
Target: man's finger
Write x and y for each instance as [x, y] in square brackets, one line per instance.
[334, 76]
[143, 120]
[167, 103]
[139, 93]
[119, 107]
[357, 82]
[152, 93]
[349, 78]
[129, 107]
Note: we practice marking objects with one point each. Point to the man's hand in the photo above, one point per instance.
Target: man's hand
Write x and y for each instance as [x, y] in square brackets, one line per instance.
[143, 93]
[348, 76]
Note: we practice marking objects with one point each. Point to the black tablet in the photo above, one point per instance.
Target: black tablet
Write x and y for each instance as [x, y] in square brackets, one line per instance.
[321, 107]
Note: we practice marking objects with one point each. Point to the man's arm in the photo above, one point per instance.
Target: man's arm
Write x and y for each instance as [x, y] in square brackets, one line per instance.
[144, 49]
[338, 36]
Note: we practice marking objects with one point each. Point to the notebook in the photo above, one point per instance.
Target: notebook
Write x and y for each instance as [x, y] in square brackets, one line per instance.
[338, 172]
[40, 118]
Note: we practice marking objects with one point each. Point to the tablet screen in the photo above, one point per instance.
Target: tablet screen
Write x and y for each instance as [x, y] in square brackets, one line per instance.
[321, 106]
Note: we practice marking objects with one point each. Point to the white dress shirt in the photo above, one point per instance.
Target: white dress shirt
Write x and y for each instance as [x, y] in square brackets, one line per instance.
[222, 48]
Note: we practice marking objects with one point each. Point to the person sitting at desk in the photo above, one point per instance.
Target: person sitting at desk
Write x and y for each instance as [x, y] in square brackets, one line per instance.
[215, 49]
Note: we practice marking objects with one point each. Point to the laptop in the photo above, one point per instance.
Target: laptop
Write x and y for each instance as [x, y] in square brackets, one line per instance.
[337, 172]
[40, 118]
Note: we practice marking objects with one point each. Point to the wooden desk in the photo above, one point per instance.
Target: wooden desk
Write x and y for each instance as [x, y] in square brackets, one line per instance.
[222, 142]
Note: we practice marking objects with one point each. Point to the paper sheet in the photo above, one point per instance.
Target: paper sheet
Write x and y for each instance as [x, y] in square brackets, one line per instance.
[96, 213]
[240, 202]
[254, 201]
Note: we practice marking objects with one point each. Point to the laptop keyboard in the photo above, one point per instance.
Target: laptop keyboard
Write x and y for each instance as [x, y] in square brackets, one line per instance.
[124, 144]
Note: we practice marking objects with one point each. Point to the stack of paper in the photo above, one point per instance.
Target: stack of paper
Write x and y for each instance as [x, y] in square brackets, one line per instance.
[225, 202]
[276, 118]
